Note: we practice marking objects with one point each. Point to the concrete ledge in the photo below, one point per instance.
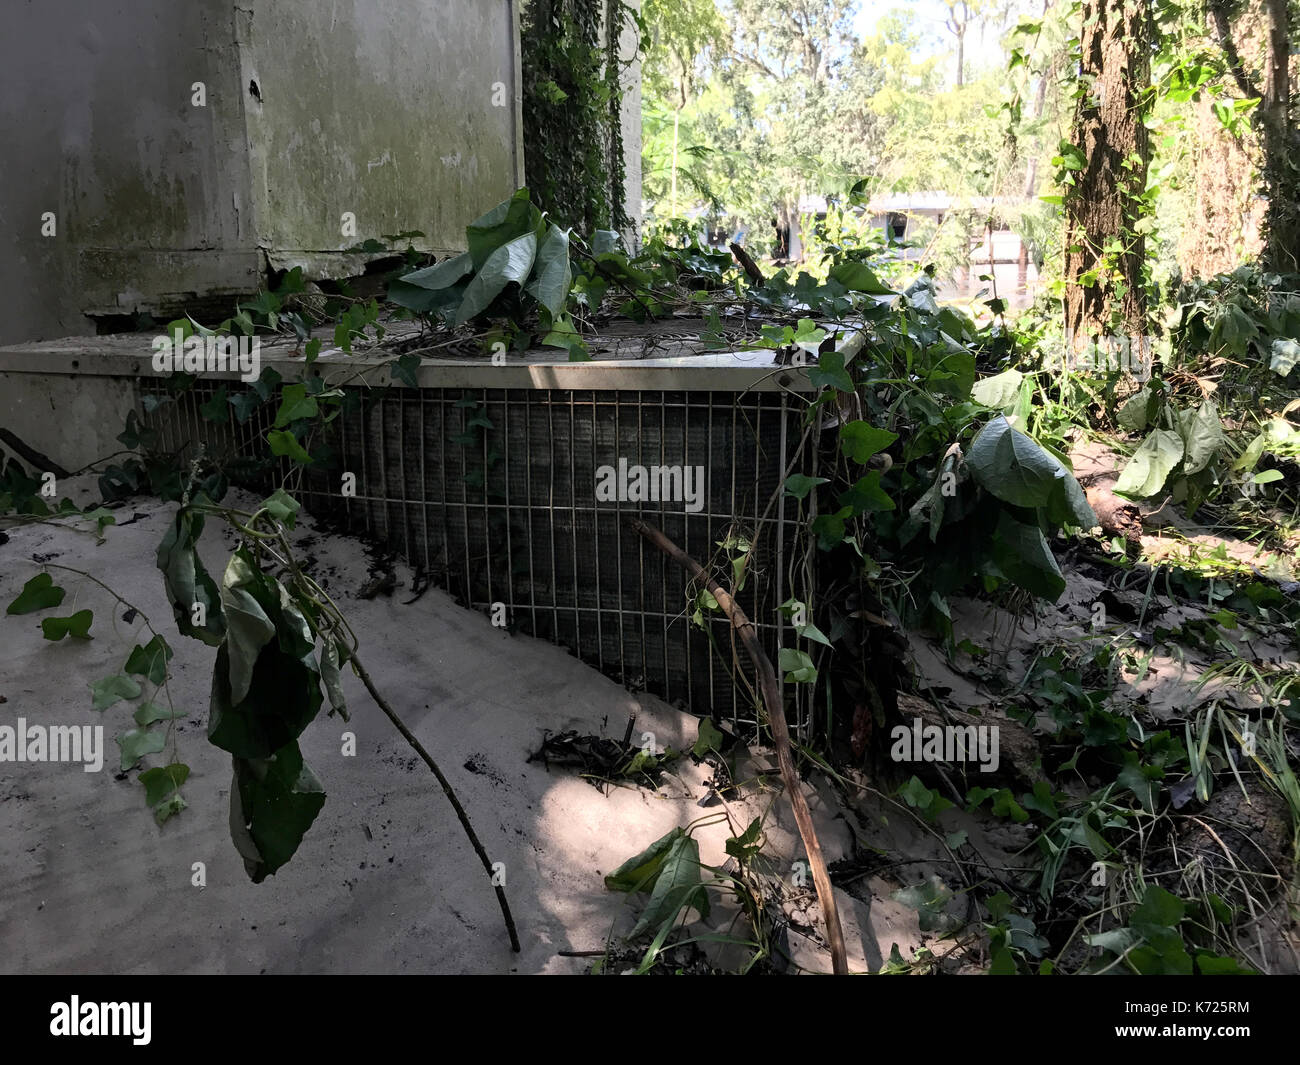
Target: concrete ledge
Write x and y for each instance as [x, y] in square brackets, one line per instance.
[69, 399]
[131, 355]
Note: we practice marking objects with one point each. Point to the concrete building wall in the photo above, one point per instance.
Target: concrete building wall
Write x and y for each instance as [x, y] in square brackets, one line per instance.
[405, 113]
[630, 120]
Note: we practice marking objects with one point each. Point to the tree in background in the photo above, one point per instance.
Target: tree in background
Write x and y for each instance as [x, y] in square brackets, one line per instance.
[1105, 238]
[682, 38]
[1271, 85]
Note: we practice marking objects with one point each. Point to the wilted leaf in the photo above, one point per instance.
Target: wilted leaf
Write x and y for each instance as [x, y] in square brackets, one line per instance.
[110, 690]
[136, 743]
[551, 273]
[510, 262]
[187, 583]
[1009, 465]
[639, 873]
[678, 885]
[1001, 391]
[272, 804]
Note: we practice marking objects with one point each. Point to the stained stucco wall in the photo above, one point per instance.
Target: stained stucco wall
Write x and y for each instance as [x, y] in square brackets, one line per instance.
[404, 113]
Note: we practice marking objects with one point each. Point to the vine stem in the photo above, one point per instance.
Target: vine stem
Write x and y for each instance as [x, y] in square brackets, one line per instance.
[447, 789]
[166, 684]
[744, 628]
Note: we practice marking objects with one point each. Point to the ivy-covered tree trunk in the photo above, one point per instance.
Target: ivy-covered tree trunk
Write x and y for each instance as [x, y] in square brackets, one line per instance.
[572, 109]
[1105, 245]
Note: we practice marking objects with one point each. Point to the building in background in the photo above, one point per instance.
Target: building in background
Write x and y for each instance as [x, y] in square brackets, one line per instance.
[176, 153]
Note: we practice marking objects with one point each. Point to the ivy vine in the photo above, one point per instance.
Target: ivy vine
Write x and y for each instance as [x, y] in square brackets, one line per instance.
[572, 108]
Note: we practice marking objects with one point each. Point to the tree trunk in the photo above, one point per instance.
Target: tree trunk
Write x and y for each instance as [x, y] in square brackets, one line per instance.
[1105, 291]
[1281, 169]
[1272, 119]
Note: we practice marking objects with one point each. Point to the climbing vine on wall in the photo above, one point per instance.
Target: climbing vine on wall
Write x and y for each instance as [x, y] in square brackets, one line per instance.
[572, 103]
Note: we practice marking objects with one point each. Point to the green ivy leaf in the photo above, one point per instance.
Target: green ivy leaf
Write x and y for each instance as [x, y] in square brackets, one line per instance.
[830, 372]
[110, 690]
[150, 660]
[282, 507]
[860, 440]
[405, 368]
[285, 444]
[857, 277]
[746, 846]
[161, 785]
[148, 713]
[136, 743]
[76, 625]
[799, 485]
[214, 410]
[930, 901]
[709, 739]
[295, 404]
[797, 666]
[39, 593]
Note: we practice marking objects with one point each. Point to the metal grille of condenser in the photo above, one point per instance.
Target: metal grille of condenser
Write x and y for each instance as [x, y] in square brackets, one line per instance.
[491, 493]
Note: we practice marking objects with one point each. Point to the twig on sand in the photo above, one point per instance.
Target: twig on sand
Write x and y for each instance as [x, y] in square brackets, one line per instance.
[780, 736]
[447, 789]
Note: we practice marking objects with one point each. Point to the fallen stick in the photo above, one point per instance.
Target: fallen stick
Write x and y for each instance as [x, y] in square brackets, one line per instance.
[780, 736]
[33, 457]
[447, 790]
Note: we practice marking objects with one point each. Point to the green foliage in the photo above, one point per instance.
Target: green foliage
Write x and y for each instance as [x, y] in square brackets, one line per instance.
[39, 593]
[961, 498]
[77, 625]
[572, 105]
[517, 265]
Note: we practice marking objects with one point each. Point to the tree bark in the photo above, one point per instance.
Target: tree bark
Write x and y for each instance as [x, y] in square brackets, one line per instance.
[1278, 139]
[1280, 145]
[1105, 291]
